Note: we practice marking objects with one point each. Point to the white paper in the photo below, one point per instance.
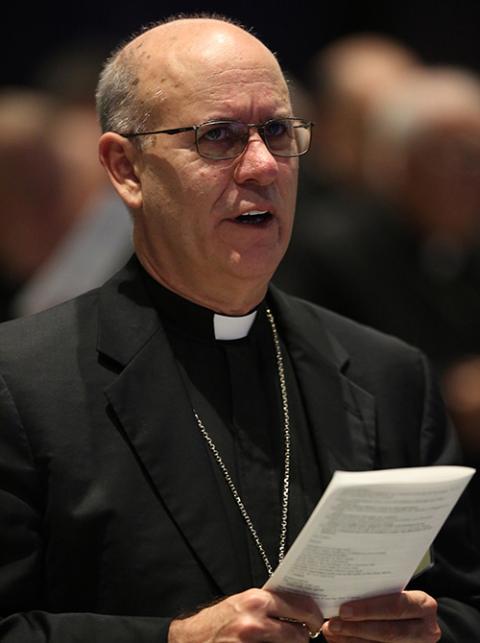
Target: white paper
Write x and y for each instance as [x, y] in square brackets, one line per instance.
[368, 533]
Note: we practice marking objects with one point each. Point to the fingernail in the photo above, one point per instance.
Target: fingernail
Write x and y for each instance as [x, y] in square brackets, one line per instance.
[346, 611]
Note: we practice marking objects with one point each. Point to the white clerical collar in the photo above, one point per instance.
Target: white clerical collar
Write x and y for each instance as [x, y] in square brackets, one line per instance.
[226, 327]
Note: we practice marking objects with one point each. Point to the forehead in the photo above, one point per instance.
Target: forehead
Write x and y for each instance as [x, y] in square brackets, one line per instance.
[247, 94]
[235, 93]
[221, 76]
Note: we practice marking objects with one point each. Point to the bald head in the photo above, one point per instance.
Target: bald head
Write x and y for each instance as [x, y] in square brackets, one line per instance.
[169, 62]
[356, 66]
[427, 103]
[423, 152]
[347, 78]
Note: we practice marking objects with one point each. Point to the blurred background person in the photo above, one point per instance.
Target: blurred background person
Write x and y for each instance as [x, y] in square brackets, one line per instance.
[344, 81]
[408, 262]
[33, 213]
[422, 255]
[98, 239]
[81, 235]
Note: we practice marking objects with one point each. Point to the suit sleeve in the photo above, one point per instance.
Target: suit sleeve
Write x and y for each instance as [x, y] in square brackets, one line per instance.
[22, 614]
[454, 579]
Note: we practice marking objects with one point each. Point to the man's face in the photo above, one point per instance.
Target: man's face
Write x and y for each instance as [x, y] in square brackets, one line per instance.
[188, 230]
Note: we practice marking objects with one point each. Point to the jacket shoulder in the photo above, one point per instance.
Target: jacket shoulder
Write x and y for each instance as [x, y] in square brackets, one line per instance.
[357, 339]
[51, 331]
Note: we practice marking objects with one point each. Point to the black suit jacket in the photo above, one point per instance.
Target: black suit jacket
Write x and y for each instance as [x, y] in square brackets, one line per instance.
[112, 520]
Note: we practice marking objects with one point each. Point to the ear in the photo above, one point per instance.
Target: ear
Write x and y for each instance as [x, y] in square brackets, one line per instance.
[121, 159]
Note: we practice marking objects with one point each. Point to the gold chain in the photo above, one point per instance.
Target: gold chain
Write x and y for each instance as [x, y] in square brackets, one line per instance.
[286, 470]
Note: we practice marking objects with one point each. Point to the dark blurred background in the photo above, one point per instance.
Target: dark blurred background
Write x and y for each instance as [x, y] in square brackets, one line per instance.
[440, 32]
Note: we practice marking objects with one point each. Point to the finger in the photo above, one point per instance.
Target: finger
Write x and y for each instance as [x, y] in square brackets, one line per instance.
[345, 639]
[404, 631]
[296, 607]
[400, 606]
[312, 634]
[282, 631]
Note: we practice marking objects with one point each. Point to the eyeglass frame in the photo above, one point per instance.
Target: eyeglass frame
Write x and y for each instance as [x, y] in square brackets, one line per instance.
[260, 127]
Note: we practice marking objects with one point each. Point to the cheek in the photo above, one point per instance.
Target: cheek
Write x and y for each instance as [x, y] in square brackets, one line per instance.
[203, 192]
[288, 182]
[288, 172]
[196, 189]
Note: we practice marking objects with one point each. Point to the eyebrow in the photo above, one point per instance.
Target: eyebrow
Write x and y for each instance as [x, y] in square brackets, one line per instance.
[282, 114]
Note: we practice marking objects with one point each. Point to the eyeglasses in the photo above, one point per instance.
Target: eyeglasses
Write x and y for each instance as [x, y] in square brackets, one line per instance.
[227, 139]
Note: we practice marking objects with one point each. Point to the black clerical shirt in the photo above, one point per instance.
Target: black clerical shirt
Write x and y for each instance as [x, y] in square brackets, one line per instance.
[234, 387]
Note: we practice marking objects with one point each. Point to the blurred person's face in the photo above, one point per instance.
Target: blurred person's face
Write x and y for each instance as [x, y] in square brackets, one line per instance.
[444, 179]
[201, 224]
[75, 137]
[32, 212]
[361, 73]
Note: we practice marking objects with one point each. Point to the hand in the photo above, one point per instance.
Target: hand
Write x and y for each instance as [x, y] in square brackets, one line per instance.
[253, 615]
[408, 617]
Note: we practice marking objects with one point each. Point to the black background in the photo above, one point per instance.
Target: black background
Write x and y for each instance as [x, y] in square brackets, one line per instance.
[440, 31]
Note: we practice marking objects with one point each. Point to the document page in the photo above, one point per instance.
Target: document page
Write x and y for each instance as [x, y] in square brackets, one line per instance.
[368, 533]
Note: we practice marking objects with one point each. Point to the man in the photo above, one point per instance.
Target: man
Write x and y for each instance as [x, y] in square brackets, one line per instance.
[165, 437]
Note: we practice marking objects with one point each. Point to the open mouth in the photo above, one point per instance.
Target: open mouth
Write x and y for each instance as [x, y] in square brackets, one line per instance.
[254, 217]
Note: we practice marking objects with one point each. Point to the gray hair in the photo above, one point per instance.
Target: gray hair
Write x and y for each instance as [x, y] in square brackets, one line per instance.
[120, 107]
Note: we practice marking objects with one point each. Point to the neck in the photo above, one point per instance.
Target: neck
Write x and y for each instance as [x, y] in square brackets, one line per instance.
[231, 299]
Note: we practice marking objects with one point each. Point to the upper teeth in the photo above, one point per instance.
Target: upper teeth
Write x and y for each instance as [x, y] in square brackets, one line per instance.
[254, 212]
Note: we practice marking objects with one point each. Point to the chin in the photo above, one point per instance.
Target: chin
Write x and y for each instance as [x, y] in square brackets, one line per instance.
[256, 268]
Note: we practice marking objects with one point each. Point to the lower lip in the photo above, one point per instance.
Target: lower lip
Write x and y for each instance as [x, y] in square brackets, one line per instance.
[235, 232]
[254, 223]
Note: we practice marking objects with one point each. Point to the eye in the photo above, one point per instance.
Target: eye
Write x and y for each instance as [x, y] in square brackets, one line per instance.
[216, 133]
[276, 128]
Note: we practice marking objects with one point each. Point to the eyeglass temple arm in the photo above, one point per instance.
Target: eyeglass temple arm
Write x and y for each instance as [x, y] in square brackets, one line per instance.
[178, 130]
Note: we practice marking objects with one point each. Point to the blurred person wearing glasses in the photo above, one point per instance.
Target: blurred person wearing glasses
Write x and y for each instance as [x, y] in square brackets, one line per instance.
[166, 436]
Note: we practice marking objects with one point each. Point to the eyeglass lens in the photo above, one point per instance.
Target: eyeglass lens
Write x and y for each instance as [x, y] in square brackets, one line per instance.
[283, 137]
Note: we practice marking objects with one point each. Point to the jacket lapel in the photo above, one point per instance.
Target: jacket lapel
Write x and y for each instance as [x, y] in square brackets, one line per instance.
[340, 413]
[153, 408]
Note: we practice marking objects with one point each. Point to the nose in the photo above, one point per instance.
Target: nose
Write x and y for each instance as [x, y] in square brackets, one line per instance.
[256, 163]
